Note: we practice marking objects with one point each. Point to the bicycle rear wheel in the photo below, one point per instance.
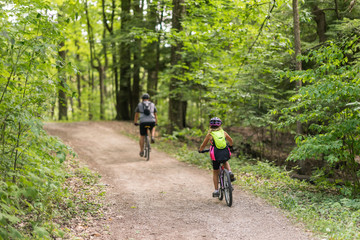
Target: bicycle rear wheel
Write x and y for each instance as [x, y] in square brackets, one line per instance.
[227, 188]
[221, 190]
[147, 148]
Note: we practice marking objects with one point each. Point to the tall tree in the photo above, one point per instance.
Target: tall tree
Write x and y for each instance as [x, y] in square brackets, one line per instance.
[297, 44]
[62, 80]
[78, 76]
[319, 17]
[177, 108]
[125, 63]
[109, 26]
[137, 49]
[152, 50]
[298, 64]
[95, 57]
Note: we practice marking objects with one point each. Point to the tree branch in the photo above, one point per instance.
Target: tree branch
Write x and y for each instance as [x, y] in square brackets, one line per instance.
[262, 26]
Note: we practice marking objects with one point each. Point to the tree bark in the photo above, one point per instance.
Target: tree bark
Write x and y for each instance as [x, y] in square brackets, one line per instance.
[78, 77]
[138, 21]
[100, 68]
[297, 43]
[320, 23]
[62, 94]
[125, 64]
[298, 65]
[177, 110]
[151, 52]
[114, 52]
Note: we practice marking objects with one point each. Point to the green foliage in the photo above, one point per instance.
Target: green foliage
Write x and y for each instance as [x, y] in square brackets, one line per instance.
[186, 133]
[328, 105]
[231, 72]
[323, 208]
[30, 161]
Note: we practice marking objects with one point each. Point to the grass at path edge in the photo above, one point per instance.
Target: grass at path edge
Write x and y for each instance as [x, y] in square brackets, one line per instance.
[324, 209]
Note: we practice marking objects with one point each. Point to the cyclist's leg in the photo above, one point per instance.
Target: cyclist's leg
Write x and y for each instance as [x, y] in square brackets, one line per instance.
[152, 132]
[216, 166]
[216, 178]
[227, 166]
[142, 136]
[141, 142]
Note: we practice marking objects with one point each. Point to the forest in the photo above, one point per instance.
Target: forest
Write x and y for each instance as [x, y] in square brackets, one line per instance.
[285, 72]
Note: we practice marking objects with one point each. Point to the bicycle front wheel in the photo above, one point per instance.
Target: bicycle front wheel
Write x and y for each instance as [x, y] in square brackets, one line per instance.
[227, 188]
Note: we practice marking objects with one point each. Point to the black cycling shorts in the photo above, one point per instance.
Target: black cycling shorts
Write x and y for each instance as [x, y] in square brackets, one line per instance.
[145, 124]
[219, 156]
[216, 164]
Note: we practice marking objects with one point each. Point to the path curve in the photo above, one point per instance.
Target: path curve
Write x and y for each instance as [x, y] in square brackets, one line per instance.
[164, 198]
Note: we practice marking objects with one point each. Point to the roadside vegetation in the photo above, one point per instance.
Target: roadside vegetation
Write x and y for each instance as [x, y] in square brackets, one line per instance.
[328, 210]
[44, 200]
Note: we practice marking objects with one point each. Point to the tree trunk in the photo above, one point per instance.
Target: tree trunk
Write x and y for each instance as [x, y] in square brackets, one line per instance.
[125, 64]
[151, 52]
[176, 105]
[90, 94]
[298, 65]
[110, 29]
[78, 77]
[62, 95]
[102, 75]
[320, 23]
[101, 72]
[138, 11]
[337, 10]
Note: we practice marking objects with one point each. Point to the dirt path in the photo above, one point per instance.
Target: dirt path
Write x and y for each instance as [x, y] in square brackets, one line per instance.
[164, 198]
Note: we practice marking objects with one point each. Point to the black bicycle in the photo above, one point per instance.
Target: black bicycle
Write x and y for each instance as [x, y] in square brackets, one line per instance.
[147, 147]
[224, 183]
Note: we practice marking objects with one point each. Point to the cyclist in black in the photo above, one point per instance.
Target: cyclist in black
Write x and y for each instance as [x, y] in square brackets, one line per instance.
[147, 113]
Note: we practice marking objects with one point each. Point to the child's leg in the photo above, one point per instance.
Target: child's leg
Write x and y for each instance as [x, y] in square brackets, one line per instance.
[215, 178]
[227, 166]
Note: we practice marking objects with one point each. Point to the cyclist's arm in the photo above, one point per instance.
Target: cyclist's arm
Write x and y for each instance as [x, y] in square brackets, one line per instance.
[136, 117]
[229, 139]
[156, 118]
[206, 140]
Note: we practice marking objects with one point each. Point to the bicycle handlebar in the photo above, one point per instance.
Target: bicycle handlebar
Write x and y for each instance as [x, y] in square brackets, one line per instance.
[204, 151]
[207, 150]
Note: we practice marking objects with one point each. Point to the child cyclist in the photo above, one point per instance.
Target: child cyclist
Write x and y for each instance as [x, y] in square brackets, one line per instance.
[219, 150]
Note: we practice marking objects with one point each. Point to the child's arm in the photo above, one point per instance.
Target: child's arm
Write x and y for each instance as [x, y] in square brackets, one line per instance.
[206, 140]
[229, 139]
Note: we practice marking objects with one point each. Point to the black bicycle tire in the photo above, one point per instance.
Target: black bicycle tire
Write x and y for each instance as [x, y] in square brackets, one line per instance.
[221, 190]
[147, 148]
[227, 188]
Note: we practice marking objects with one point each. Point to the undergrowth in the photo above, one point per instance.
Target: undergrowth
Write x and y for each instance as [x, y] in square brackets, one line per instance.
[325, 209]
[47, 191]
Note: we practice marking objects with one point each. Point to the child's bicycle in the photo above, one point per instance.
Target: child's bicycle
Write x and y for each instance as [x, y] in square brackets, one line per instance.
[224, 183]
